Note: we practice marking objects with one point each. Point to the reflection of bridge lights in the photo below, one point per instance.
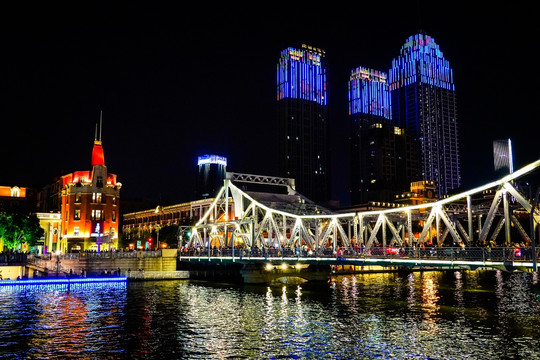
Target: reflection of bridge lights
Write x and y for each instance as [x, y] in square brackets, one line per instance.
[284, 266]
[269, 267]
[298, 266]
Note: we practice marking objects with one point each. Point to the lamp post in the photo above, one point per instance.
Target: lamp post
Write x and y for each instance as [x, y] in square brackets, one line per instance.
[533, 228]
[159, 211]
[157, 237]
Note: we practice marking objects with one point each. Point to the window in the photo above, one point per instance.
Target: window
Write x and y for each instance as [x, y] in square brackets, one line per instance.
[97, 215]
[114, 200]
[15, 192]
[113, 216]
[77, 215]
[76, 231]
[78, 197]
[96, 198]
[99, 181]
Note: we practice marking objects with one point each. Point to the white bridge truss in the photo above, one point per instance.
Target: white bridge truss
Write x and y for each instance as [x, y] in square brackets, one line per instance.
[236, 219]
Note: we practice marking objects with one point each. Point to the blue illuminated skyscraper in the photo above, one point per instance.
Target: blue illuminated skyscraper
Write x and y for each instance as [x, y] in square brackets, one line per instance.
[381, 154]
[424, 102]
[302, 116]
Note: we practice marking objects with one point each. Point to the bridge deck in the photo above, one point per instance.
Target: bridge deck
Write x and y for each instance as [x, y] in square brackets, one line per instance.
[442, 258]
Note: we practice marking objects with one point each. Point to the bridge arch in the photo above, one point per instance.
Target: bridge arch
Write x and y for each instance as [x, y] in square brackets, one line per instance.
[238, 218]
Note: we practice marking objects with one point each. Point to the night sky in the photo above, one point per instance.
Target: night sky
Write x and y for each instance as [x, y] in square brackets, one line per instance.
[176, 82]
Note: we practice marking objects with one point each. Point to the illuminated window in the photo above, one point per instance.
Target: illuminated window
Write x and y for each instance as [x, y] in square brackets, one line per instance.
[96, 198]
[97, 215]
[78, 197]
[15, 192]
[76, 231]
[114, 216]
[77, 215]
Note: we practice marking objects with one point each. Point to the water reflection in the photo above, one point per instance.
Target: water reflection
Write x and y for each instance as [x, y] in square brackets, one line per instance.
[413, 315]
[49, 321]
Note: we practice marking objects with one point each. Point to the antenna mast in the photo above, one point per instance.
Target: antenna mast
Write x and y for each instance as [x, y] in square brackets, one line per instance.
[100, 123]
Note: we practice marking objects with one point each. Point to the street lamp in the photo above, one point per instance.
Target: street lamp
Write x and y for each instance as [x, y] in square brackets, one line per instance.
[159, 211]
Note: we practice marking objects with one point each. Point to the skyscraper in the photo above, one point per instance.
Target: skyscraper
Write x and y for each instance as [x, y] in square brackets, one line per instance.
[303, 123]
[424, 102]
[381, 153]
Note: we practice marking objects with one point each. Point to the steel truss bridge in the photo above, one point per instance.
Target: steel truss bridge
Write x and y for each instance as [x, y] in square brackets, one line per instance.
[269, 222]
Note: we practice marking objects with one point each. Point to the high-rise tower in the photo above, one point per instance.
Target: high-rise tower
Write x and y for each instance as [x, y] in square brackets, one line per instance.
[212, 170]
[381, 160]
[424, 102]
[303, 123]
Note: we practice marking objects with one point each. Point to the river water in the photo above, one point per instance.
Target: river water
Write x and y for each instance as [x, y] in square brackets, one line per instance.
[405, 315]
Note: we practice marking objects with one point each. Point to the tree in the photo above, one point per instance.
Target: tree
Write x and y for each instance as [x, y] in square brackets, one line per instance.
[20, 227]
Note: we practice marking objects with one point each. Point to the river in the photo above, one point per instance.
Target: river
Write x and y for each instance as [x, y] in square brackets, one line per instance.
[402, 315]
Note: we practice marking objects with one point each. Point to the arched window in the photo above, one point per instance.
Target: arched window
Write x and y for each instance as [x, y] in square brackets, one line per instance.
[15, 191]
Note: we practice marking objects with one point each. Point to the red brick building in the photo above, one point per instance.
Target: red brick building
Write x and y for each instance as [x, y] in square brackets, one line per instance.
[89, 205]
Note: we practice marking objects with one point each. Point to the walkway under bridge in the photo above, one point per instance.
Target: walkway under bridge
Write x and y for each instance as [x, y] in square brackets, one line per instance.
[290, 222]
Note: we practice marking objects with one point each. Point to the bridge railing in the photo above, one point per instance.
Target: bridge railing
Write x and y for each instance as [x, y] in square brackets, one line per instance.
[12, 258]
[95, 255]
[441, 253]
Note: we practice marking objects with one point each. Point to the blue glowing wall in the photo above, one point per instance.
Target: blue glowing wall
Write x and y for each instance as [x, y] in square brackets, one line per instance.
[421, 60]
[301, 74]
[369, 92]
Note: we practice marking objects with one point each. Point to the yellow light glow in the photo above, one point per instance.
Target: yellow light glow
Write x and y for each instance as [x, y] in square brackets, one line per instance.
[269, 267]
[284, 266]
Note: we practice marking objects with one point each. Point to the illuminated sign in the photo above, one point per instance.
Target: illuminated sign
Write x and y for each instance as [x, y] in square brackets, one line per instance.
[98, 231]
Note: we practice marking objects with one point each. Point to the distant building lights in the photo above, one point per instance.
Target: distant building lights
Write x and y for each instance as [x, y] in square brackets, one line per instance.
[211, 159]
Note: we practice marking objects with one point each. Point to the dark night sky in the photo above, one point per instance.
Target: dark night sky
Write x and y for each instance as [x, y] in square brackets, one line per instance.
[178, 82]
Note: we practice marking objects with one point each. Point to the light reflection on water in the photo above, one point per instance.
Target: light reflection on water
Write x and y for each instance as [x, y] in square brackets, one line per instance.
[412, 315]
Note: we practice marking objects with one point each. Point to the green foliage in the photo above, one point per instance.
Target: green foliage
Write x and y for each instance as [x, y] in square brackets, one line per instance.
[169, 235]
[20, 227]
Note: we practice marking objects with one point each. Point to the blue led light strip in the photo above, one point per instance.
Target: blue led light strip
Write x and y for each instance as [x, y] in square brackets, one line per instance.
[62, 281]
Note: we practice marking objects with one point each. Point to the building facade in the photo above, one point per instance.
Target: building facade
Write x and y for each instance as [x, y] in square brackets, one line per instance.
[88, 202]
[303, 120]
[52, 226]
[138, 227]
[17, 198]
[424, 102]
[382, 155]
